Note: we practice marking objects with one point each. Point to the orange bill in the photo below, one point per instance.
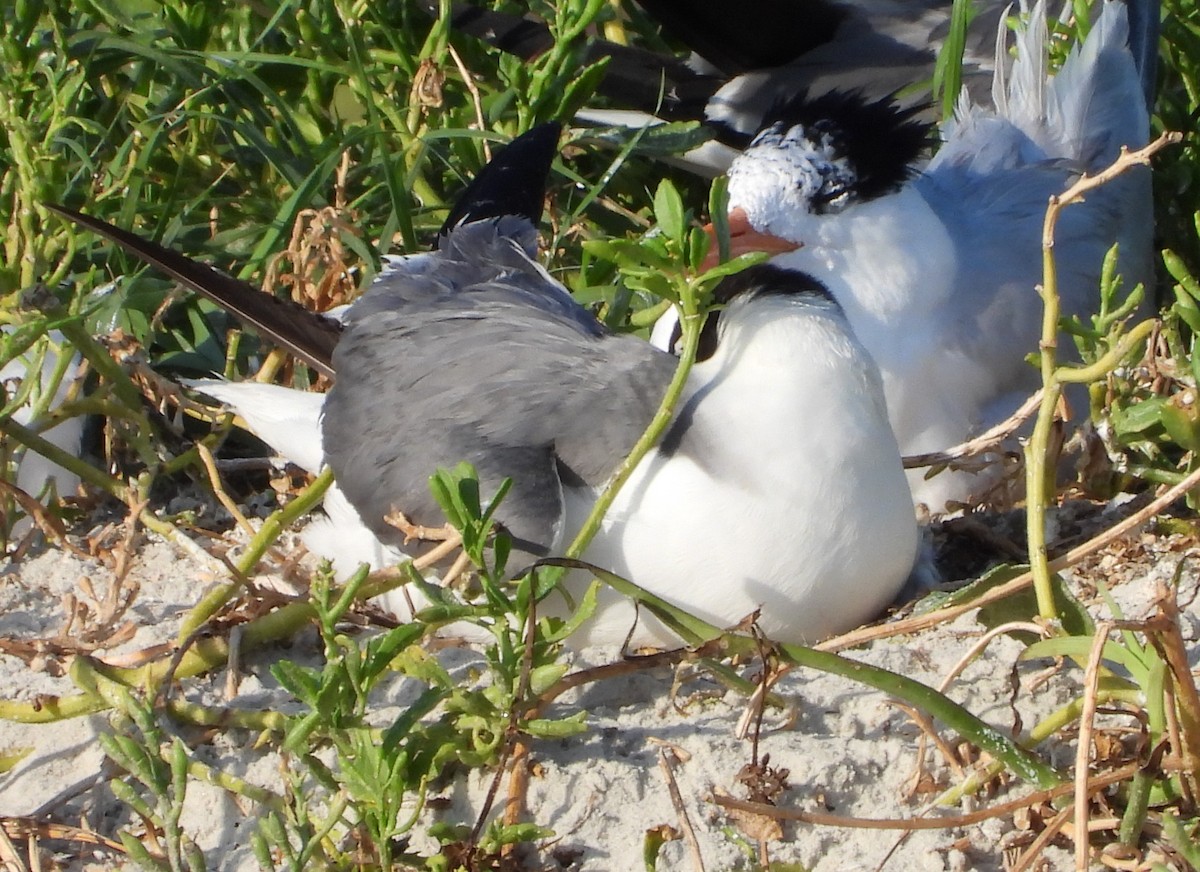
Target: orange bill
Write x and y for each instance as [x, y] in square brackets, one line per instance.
[743, 239]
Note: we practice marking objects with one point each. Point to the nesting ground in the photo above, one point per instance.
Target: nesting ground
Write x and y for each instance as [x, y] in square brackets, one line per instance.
[848, 750]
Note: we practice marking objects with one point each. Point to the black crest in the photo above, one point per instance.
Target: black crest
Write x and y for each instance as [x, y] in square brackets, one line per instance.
[767, 279]
[512, 183]
[880, 139]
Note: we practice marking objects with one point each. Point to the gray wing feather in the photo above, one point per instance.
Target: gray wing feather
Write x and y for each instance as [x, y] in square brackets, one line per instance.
[995, 236]
[483, 359]
[992, 180]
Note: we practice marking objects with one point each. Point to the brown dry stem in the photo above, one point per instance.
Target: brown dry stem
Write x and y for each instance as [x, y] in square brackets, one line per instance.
[1034, 852]
[982, 443]
[1168, 639]
[52, 528]
[666, 763]
[476, 97]
[22, 827]
[411, 531]
[1091, 678]
[963, 820]
[218, 489]
[515, 755]
[923, 622]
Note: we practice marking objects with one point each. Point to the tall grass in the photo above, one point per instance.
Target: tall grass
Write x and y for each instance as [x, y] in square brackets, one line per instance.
[293, 145]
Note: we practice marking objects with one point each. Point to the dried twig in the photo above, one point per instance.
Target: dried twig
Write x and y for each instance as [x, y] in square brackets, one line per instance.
[622, 667]
[41, 516]
[1170, 644]
[1022, 581]
[1091, 678]
[1125, 160]
[925, 724]
[1034, 851]
[411, 531]
[983, 442]
[18, 827]
[457, 568]
[757, 704]
[9, 858]
[666, 762]
[159, 390]
[437, 553]
[476, 99]
[218, 489]
[984, 641]
[233, 665]
[963, 820]
[35, 856]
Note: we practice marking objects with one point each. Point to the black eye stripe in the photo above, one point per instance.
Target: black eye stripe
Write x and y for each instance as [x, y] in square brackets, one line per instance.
[676, 335]
[707, 346]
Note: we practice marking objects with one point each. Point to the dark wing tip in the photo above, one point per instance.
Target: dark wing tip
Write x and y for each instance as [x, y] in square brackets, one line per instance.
[512, 183]
[512, 34]
[754, 35]
[306, 334]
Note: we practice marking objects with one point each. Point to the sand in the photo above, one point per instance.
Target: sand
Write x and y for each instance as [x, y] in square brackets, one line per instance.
[848, 750]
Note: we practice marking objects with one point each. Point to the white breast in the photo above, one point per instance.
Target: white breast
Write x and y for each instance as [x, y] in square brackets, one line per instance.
[788, 495]
[893, 266]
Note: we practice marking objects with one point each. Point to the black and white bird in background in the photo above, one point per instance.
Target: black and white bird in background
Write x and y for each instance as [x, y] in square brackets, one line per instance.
[936, 266]
[748, 57]
[777, 486]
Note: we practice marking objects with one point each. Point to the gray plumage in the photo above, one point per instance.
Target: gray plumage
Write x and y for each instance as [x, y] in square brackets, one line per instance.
[476, 354]
[937, 278]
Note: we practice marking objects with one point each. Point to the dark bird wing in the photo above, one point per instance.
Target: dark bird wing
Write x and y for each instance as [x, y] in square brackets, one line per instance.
[635, 77]
[309, 336]
[486, 359]
[512, 183]
[761, 52]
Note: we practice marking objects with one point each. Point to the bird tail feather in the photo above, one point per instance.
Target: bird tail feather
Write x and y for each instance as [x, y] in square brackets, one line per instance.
[1094, 104]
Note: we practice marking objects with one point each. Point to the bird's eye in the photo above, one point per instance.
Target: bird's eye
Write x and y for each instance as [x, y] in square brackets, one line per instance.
[834, 194]
[830, 192]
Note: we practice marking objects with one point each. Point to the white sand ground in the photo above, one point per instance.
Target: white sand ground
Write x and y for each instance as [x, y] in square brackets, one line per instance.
[848, 750]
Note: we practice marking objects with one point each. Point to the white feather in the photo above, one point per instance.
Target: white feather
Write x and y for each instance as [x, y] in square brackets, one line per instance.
[820, 539]
[287, 419]
[938, 279]
[35, 474]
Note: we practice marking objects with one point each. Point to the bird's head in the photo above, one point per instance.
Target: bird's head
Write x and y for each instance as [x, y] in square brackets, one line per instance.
[814, 159]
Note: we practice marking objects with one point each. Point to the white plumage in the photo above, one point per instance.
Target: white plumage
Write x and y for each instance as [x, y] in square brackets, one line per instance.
[938, 278]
